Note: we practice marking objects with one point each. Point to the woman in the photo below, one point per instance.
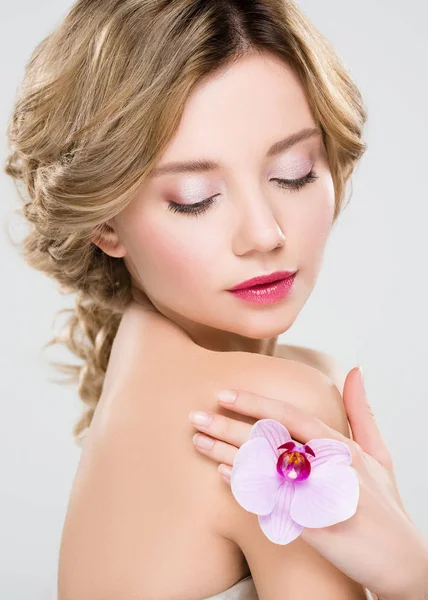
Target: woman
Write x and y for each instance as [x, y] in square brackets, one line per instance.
[256, 102]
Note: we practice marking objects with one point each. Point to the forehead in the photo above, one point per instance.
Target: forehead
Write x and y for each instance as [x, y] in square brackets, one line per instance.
[244, 108]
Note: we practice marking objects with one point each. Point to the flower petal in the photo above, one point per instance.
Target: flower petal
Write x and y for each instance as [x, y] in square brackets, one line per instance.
[273, 431]
[329, 495]
[278, 526]
[254, 478]
[333, 451]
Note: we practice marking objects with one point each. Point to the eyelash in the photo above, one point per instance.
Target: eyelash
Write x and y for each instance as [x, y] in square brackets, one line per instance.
[293, 185]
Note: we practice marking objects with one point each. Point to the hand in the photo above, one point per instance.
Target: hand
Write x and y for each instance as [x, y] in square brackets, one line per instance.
[379, 546]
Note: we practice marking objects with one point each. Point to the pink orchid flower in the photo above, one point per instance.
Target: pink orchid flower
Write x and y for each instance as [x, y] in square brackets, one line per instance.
[291, 486]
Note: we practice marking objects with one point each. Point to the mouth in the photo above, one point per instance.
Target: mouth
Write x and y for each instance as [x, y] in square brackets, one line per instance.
[258, 282]
[266, 293]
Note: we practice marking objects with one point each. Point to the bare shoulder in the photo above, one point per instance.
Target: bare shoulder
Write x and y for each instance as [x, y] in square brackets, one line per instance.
[139, 522]
[317, 359]
[148, 515]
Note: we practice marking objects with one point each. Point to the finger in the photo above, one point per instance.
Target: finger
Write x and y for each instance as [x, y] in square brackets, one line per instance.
[223, 428]
[365, 430]
[301, 425]
[226, 472]
[220, 451]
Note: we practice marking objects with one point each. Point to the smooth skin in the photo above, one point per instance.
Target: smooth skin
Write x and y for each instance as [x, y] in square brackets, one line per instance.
[149, 516]
[372, 547]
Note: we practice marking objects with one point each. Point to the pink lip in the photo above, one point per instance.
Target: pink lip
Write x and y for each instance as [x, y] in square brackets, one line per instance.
[269, 293]
[278, 275]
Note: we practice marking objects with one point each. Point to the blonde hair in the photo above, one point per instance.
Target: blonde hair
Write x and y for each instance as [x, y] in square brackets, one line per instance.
[101, 98]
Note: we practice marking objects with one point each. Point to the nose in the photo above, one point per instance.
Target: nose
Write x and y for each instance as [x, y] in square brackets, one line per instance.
[258, 229]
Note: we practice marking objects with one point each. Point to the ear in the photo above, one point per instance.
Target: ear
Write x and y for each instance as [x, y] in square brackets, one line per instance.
[108, 240]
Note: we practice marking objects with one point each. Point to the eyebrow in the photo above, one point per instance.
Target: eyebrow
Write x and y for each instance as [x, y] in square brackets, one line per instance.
[198, 166]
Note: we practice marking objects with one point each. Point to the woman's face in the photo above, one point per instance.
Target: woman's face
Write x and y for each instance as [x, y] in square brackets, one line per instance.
[185, 263]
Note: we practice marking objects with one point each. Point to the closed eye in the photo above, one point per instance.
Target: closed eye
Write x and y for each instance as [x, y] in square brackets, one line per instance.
[296, 184]
[200, 207]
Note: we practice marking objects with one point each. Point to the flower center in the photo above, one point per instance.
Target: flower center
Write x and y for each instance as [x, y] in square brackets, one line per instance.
[293, 464]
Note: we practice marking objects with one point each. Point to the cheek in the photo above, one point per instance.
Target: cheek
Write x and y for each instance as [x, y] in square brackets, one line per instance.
[174, 255]
[316, 219]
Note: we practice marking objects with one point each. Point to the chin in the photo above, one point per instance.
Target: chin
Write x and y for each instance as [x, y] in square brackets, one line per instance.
[263, 326]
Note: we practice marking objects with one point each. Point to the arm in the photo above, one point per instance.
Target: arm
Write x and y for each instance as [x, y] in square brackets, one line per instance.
[331, 368]
[139, 519]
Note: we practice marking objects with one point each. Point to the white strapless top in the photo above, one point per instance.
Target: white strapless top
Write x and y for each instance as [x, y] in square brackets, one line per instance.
[244, 589]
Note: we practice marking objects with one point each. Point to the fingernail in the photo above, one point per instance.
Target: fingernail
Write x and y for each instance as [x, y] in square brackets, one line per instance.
[225, 471]
[361, 374]
[203, 441]
[227, 396]
[200, 418]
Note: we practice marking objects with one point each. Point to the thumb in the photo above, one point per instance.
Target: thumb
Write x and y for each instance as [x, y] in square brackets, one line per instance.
[365, 431]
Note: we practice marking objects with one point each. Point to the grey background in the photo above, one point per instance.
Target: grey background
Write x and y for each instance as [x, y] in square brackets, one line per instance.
[369, 305]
